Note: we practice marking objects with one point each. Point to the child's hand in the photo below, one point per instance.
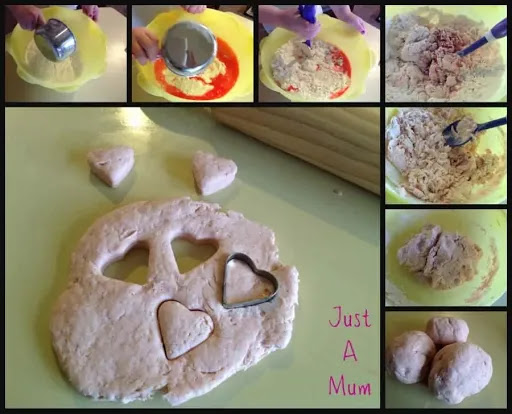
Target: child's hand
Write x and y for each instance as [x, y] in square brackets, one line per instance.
[144, 45]
[194, 9]
[345, 14]
[28, 17]
[92, 11]
[290, 19]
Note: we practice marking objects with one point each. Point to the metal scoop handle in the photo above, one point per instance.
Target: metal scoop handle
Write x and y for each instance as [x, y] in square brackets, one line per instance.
[453, 141]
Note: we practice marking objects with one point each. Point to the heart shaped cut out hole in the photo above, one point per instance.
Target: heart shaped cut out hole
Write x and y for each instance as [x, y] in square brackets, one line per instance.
[245, 284]
[190, 253]
[182, 329]
[132, 268]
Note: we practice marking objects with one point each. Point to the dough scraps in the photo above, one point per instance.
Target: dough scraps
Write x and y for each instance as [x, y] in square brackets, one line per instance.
[106, 332]
[442, 260]
[422, 64]
[316, 73]
[431, 170]
[112, 165]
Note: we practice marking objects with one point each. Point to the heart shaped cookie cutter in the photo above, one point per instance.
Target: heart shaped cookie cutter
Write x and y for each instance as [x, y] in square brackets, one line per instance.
[258, 272]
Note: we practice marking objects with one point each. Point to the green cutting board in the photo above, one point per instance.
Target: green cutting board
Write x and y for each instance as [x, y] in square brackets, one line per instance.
[486, 329]
[51, 200]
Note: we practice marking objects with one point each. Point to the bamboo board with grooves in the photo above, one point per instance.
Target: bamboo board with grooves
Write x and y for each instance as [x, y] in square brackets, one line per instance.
[343, 141]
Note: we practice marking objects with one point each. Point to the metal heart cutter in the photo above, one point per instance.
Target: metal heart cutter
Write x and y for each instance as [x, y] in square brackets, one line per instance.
[258, 272]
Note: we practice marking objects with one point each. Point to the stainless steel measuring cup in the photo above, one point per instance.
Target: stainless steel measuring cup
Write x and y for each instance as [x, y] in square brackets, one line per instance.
[55, 40]
[188, 48]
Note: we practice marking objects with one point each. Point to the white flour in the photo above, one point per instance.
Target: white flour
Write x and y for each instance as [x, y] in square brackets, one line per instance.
[422, 65]
[312, 73]
[60, 72]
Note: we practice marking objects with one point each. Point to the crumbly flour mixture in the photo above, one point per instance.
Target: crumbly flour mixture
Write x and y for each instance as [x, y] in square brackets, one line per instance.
[422, 64]
[441, 259]
[313, 73]
[431, 170]
[197, 85]
[65, 71]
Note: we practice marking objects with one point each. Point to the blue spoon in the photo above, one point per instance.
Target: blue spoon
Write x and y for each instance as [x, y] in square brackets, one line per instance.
[453, 140]
[308, 13]
[497, 32]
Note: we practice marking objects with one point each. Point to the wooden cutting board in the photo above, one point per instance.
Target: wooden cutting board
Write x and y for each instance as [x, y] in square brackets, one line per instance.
[343, 141]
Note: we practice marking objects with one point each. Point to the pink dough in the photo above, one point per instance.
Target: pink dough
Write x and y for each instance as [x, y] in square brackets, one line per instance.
[212, 173]
[111, 165]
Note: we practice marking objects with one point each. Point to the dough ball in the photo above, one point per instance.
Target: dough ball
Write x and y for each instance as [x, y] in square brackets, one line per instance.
[442, 260]
[408, 356]
[447, 330]
[458, 371]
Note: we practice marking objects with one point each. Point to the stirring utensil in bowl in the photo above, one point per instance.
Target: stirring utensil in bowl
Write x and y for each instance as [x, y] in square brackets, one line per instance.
[55, 40]
[189, 48]
[308, 13]
[456, 135]
[497, 32]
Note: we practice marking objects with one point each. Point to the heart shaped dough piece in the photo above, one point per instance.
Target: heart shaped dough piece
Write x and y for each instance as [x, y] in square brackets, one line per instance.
[111, 165]
[182, 329]
[212, 173]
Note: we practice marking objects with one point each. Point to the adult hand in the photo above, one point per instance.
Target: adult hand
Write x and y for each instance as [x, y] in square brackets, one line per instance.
[92, 11]
[28, 17]
[290, 19]
[144, 45]
[345, 14]
[194, 9]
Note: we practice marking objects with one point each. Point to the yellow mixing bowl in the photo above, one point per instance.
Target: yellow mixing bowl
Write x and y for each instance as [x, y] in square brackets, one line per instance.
[489, 15]
[487, 228]
[89, 60]
[223, 25]
[494, 139]
[335, 32]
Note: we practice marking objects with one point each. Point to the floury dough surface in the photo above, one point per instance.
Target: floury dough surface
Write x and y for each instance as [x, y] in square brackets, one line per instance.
[447, 330]
[431, 170]
[408, 357]
[458, 371]
[106, 332]
[311, 73]
[212, 173]
[422, 64]
[442, 260]
[111, 165]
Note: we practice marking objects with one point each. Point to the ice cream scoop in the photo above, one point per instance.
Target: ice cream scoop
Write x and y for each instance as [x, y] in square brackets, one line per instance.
[455, 138]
